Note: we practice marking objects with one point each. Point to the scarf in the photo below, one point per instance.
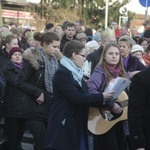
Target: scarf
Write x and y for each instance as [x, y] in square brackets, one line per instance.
[146, 58]
[76, 72]
[51, 66]
[113, 71]
[19, 66]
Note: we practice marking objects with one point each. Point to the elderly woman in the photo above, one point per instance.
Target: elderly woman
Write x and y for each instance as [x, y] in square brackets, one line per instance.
[131, 63]
[13, 100]
[132, 66]
[91, 46]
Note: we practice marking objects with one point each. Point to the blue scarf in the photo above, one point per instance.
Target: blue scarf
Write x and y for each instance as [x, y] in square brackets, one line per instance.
[76, 72]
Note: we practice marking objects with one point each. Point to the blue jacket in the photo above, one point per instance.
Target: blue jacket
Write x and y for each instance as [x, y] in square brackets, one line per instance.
[69, 113]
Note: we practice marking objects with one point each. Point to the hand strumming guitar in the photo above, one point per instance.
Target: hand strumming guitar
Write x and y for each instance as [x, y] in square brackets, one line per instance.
[117, 109]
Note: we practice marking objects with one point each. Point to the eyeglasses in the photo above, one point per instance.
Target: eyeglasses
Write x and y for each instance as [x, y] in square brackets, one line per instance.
[82, 55]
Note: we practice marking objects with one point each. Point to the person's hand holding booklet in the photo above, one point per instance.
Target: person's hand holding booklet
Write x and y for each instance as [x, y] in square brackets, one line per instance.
[119, 85]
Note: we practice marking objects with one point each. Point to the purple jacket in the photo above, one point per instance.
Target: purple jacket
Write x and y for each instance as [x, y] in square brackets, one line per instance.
[134, 64]
[97, 81]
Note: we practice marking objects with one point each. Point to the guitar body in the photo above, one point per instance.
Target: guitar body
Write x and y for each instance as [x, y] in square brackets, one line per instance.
[99, 124]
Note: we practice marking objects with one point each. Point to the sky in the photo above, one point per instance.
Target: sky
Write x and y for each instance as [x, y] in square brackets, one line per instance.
[136, 7]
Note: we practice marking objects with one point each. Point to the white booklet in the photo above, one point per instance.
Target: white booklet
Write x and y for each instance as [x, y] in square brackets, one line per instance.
[119, 85]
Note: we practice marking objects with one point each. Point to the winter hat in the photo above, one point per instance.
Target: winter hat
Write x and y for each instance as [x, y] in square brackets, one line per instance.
[136, 48]
[81, 36]
[97, 37]
[13, 50]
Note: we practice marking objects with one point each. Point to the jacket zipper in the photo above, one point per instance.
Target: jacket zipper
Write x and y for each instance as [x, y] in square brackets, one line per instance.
[38, 79]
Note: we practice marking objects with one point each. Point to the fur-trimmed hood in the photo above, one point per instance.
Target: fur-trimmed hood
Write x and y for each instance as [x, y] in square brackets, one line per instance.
[33, 56]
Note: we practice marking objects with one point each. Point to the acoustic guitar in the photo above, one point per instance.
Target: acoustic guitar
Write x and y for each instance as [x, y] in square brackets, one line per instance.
[101, 121]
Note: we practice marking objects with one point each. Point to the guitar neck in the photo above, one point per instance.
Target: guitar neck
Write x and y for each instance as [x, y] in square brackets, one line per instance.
[124, 103]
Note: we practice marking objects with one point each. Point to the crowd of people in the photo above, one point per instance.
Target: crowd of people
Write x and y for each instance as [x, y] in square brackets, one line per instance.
[49, 80]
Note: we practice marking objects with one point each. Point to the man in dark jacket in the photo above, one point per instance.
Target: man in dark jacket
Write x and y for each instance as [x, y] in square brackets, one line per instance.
[69, 35]
[139, 111]
[107, 35]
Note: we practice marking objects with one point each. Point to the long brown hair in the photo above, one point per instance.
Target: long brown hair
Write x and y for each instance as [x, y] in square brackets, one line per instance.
[103, 63]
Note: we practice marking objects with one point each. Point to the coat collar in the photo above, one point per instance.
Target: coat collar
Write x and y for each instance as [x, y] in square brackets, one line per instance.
[34, 57]
[71, 77]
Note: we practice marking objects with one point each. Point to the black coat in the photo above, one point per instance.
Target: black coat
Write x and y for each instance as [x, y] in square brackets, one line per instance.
[4, 58]
[64, 40]
[69, 114]
[94, 57]
[2, 83]
[139, 110]
[31, 81]
[13, 97]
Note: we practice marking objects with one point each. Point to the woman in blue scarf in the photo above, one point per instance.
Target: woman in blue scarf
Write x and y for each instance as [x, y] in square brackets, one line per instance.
[67, 126]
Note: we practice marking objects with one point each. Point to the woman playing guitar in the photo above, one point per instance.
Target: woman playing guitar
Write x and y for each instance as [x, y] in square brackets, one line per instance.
[109, 68]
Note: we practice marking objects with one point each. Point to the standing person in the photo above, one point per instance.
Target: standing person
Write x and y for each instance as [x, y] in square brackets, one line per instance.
[2, 85]
[107, 70]
[6, 44]
[131, 63]
[114, 25]
[82, 38]
[59, 30]
[138, 51]
[13, 100]
[132, 66]
[79, 25]
[67, 127]
[139, 112]
[89, 34]
[143, 42]
[69, 34]
[49, 27]
[35, 80]
[108, 36]
[146, 56]
[124, 31]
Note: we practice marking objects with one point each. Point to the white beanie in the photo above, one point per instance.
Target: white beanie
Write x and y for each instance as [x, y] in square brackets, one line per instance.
[136, 48]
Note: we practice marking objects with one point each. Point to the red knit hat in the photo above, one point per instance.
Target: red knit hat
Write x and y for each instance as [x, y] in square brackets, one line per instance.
[13, 50]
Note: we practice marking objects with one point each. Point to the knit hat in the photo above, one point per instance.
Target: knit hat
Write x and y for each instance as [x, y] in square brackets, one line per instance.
[13, 50]
[136, 48]
[97, 37]
[81, 36]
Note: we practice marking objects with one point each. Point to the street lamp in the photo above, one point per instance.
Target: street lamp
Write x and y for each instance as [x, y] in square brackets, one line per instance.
[1, 22]
[106, 13]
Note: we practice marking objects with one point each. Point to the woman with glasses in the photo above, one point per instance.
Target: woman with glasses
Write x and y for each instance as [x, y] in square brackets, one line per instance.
[67, 127]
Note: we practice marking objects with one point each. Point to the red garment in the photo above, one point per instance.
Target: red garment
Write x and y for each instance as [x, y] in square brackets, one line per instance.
[117, 33]
[146, 58]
